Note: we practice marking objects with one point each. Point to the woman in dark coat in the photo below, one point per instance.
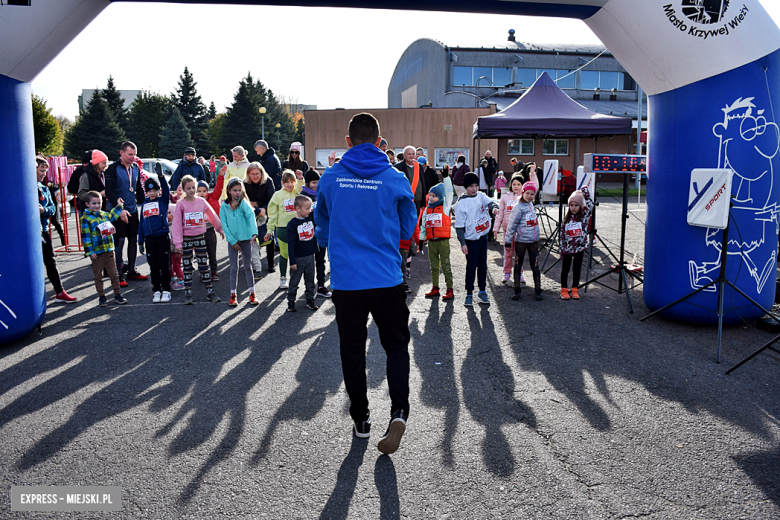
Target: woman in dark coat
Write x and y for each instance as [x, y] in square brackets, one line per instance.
[259, 190]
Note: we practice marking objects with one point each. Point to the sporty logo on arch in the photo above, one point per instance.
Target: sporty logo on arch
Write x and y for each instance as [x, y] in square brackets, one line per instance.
[705, 11]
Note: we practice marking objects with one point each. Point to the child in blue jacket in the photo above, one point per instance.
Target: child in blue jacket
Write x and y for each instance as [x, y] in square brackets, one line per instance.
[240, 228]
[153, 236]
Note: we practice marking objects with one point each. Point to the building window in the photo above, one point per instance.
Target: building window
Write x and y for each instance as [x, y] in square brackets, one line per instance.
[604, 80]
[502, 76]
[555, 147]
[461, 76]
[520, 147]
[526, 76]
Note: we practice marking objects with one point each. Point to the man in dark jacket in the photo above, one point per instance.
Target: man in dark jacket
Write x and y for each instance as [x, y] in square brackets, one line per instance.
[270, 162]
[189, 166]
[408, 167]
[123, 180]
[490, 170]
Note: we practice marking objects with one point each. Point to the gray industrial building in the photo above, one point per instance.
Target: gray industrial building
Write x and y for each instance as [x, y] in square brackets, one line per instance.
[431, 74]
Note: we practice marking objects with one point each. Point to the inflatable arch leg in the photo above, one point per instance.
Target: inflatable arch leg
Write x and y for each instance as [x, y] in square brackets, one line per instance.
[22, 284]
[726, 121]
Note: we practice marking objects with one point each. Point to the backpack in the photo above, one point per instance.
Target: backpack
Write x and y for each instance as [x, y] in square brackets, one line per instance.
[73, 183]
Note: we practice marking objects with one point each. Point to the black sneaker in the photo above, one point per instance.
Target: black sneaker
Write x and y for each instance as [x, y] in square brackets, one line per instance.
[392, 439]
[124, 269]
[212, 297]
[324, 292]
[102, 302]
[214, 276]
[257, 275]
[188, 298]
[271, 269]
[407, 289]
[291, 307]
[363, 428]
[538, 296]
[311, 305]
[516, 296]
[121, 300]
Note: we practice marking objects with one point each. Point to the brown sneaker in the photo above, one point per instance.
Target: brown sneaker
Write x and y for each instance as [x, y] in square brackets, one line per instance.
[392, 438]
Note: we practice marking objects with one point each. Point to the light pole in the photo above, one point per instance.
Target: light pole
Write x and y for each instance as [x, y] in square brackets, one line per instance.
[278, 139]
[262, 114]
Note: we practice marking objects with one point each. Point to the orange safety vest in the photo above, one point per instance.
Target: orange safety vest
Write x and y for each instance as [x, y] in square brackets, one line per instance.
[415, 178]
[437, 223]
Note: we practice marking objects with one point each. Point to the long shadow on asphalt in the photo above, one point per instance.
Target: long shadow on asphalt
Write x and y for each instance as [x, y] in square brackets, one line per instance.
[489, 392]
[207, 371]
[433, 357]
[387, 485]
[337, 506]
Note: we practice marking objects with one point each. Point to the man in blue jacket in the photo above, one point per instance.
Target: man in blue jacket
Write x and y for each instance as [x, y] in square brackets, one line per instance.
[364, 209]
[188, 166]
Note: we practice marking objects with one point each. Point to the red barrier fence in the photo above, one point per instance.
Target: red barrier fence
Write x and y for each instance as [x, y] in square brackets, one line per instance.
[59, 175]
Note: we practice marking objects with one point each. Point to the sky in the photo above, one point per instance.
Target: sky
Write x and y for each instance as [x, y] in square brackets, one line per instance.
[329, 57]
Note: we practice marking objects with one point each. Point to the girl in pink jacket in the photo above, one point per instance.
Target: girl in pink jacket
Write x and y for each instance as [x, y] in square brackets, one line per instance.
[505, 207]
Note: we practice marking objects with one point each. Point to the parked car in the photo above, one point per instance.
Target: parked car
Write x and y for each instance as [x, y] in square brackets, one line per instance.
[168, 167]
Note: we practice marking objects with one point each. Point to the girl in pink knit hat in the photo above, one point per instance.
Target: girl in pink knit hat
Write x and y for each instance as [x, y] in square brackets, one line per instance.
[573, 239]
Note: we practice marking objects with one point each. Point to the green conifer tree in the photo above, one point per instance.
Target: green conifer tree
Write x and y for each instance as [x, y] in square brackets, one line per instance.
[176, 136]
[95, 129]
[116, 103]
[192, 109]
[148, 115]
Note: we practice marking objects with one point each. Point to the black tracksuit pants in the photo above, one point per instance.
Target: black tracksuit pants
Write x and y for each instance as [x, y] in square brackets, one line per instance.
[158, 256]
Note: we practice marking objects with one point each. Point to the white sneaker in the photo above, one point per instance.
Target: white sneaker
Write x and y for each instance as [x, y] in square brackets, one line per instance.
[166, 297]
[283, 282]
[156, 297]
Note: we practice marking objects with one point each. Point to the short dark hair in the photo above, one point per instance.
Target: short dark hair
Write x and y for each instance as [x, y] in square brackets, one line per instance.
[127, 144]
[300, 200]
[363, 128]
[93, 195]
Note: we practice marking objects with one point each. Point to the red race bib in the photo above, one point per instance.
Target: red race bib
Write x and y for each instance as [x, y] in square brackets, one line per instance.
[289, 205]
[306, 231]
[194, 219]
[106, 229]
[573, 229]
[433, 220]
[151, 209]
[483, 224]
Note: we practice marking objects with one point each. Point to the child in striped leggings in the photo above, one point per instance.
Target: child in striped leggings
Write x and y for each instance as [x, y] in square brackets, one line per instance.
[189, 228]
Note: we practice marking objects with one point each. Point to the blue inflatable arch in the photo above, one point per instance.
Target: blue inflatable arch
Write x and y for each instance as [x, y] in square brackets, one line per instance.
[710, 68]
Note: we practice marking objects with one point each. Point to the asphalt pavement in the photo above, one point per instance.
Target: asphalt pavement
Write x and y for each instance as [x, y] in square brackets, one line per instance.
[551, 409]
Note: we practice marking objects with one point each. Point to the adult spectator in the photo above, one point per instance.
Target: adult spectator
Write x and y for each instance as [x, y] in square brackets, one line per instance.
[383, 145]
[259, 190]
[188, 166]
[294, 161]
[75, 178]
[270, 162]
[123, 181]
[517, 166]
[411, 169]
[490, 171]
[236, 168]
[391, 156]
[364, 209]
[46, 209]
[205, 166]
[94, 179]
[460, 169]
[430, 177]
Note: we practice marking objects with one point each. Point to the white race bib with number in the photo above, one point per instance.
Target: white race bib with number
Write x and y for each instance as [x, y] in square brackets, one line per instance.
[306, 231]
[433, 220]
[573, 229]
[106, 229]
[151, 209]
[510, 205]
[194, 219]
[482, 224]
[289, 205]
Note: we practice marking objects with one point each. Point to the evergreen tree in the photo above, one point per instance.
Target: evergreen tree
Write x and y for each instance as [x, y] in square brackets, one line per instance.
[176, 136]
[214, 133]
[192, 109]
[148, 116]
[115, 103]
[212, 113]
[243, 122]
[48, 136]
[95, 129]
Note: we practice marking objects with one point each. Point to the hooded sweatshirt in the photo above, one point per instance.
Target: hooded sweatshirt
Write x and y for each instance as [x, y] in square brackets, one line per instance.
[364, 209]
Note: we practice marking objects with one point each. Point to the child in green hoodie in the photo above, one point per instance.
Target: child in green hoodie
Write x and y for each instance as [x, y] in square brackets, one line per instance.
[281, 209]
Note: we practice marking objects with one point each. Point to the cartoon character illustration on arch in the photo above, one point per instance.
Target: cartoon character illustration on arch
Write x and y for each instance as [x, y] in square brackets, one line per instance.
[747, 137]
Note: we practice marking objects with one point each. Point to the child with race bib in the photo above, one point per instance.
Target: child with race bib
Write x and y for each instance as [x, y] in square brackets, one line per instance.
[523, 230]
[153, 236]
[281, 210]
[238, 223]
[472, 224]
[97, 235]
[574, 240]
[436, 229]
[189, 228]
[505, 207]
